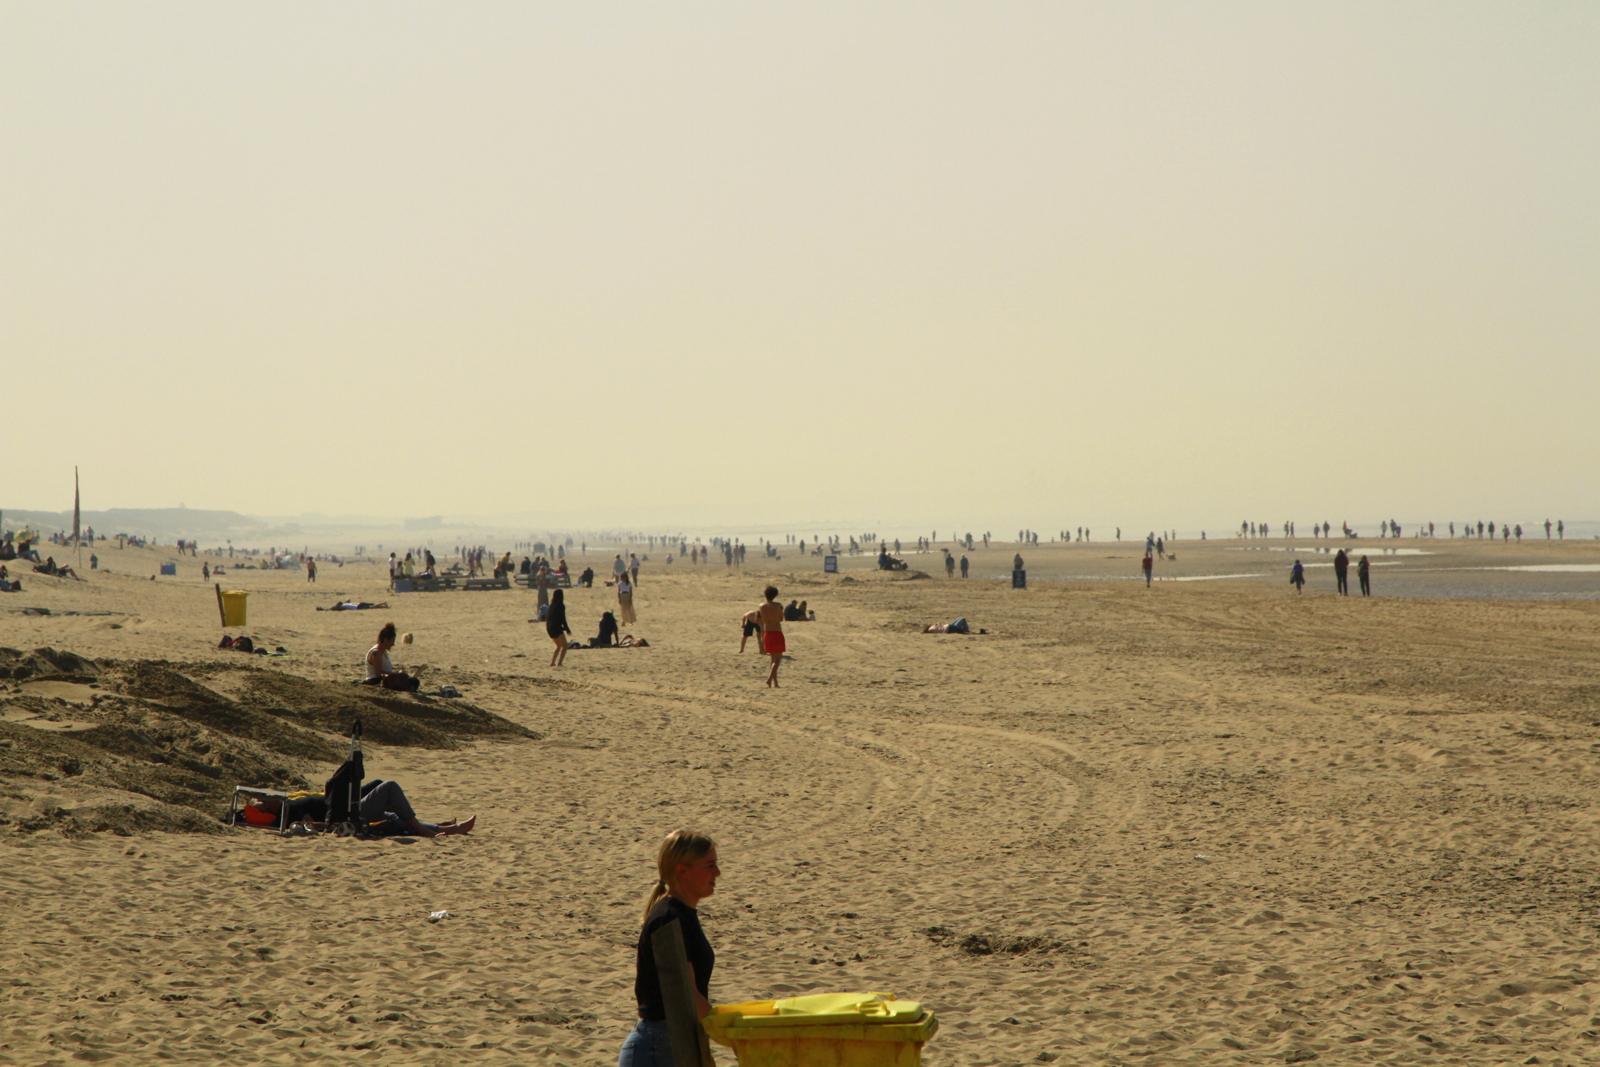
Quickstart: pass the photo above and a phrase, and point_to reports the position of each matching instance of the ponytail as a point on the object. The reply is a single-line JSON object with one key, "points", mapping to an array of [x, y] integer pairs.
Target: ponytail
{"points": [[650, 901], [680, 846]]}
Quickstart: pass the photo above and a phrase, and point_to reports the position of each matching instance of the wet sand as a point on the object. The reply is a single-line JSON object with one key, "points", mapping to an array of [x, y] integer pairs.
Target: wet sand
{"points": [[1211, 821]]}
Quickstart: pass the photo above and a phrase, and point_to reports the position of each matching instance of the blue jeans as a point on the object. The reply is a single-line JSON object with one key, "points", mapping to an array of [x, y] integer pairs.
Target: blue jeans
{"points": [[648, 1046]]}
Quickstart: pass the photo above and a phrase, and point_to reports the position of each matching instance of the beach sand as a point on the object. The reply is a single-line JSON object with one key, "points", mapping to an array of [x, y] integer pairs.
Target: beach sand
{"points": [[1207, 822]]}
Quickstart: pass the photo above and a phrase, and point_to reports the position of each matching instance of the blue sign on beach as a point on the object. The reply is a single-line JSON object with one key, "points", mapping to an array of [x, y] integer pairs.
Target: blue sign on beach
{"points": [[1019, 579], [830, 564]]}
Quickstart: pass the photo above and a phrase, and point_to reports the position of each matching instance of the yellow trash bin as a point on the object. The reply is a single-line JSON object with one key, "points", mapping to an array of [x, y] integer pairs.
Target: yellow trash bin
{"points": [[824, 1030], [233, 607]]}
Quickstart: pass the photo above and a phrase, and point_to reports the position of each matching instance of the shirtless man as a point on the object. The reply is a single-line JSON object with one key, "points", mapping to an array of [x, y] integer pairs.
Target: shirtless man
{"points": [[770, 614]]}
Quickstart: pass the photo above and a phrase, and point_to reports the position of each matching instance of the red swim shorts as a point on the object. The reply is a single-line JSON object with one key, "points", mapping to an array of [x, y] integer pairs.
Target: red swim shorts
{"points": [[772, 641]]}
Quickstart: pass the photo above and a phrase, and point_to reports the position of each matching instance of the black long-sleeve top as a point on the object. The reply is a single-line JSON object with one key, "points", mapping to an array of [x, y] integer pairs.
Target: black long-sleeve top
{"points": [[646, 983]]}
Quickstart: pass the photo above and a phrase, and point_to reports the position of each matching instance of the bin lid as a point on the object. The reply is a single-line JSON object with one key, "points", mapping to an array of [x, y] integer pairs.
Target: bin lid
{"points": [[733, 1030]]}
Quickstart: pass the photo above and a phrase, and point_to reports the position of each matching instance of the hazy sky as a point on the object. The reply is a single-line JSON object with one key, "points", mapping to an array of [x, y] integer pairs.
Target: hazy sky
{"points": [[879, 264]]}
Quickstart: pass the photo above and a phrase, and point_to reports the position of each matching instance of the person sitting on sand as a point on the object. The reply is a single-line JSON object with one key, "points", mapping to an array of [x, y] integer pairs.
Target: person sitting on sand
{"points": [[791, 611], [380, 671], [805, 614], [586, 579], [607, 637]]}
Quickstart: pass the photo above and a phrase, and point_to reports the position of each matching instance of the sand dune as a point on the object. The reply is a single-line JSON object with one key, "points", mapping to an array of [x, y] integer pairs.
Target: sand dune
{"points": [[1206, 822]]}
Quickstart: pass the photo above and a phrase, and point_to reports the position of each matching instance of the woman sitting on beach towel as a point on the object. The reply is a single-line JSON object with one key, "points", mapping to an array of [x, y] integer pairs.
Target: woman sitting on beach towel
{"points": [[607, 637], [380, 671]]}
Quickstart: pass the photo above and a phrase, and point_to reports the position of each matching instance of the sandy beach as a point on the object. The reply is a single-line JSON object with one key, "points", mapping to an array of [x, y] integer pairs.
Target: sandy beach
{"points": [[1212, 821]]}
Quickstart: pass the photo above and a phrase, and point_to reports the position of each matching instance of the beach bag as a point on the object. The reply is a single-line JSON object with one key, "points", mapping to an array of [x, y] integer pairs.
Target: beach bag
{"points": [[343, 790]]}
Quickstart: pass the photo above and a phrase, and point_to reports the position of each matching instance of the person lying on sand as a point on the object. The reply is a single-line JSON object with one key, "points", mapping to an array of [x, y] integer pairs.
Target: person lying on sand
{"points": [[379, 801], [350, 606], [959, 626]]}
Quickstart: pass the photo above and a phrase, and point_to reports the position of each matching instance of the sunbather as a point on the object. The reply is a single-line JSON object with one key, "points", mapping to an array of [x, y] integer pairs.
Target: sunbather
{"points": [[959, 626], [380, 671], [379, 801]]}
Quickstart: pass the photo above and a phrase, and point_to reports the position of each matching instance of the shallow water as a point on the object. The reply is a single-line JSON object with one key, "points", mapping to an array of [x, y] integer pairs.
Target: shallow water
{"points": [[1394, 578], [1551, 568]]}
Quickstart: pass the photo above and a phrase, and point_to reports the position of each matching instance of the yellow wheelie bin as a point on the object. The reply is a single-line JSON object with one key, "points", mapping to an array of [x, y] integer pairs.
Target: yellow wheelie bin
{"points": [[233, 607], [824, 1030]]}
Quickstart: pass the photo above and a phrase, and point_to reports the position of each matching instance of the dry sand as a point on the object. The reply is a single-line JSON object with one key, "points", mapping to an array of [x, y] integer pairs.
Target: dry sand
{"points": [[1209, 822]]}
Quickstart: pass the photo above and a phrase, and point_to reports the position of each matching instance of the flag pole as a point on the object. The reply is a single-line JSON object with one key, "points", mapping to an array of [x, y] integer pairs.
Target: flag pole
{"points": [[77, 534]]}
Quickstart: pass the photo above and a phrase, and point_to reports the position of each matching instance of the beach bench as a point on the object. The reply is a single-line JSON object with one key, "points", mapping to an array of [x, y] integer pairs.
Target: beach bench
{"points": [[557, 581], [501, 582]]}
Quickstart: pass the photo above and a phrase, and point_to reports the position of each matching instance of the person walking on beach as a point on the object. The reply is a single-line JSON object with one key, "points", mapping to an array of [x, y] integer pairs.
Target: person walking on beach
{"points": [[1341, 572], [1363, 574], [686, 873], [633, 567], [618, 568], [1149, 566], [625, 613], [963, 566], [311, 571], [770, 613], [555, 625], [1297, 577]]}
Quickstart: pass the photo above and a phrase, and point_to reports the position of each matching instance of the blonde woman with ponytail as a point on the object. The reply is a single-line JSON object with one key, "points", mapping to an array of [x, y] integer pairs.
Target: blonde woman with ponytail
{"points": [[686, 873]]}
